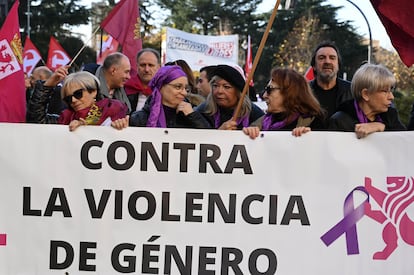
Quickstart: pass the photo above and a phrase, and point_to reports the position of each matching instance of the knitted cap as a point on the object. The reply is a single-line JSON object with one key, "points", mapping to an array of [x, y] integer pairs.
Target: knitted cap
{"points": [[231, 75]]}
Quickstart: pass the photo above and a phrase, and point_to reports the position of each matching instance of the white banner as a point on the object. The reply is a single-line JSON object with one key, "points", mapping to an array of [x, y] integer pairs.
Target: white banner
{"points": [[200, 50], [176, 201]]}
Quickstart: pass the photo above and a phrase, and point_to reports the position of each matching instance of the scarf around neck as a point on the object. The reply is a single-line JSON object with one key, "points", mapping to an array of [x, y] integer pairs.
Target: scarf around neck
{"points": [[269, 125], [134, 86], [362, 118]]}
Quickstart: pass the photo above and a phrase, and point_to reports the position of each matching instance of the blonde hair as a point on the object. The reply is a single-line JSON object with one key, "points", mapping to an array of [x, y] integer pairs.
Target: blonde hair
{"points": [[211, 105]]}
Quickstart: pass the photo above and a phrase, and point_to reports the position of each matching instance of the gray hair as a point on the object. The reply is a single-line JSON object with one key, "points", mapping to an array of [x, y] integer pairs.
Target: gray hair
{"points": [[149, 50], [83, 79], [373, 78], [113, 59]]}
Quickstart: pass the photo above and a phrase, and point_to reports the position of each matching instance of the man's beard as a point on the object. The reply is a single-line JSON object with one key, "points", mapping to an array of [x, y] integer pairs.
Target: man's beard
{"points": [[326, 78]]}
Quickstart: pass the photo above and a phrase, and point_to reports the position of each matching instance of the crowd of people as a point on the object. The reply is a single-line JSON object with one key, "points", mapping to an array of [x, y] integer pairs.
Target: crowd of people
{"points": [[169, 96]]}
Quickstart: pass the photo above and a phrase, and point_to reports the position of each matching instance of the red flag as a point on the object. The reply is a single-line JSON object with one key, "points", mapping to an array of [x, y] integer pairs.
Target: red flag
{"points": [[109, 45], [57, 57], [123, 23], [396, 16], [249, 60], [31, 56], [309, 74], [12, 89]]}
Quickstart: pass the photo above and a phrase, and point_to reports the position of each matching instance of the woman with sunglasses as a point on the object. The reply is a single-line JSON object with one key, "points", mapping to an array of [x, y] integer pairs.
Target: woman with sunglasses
{"points": [[371, 109], [167, 106], [85, 104], [291, 106]]}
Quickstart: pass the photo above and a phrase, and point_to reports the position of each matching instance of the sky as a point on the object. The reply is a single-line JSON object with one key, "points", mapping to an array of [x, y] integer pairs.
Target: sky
{"points": [[347, 12], [351, 13]]}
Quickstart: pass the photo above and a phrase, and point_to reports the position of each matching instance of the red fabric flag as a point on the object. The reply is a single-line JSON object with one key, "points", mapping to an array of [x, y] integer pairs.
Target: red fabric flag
{"points": [[109, 45], [396, 16], [309, 74], [12, 88], [57, 56], [249, 60], [123, 23], [31, 56]]}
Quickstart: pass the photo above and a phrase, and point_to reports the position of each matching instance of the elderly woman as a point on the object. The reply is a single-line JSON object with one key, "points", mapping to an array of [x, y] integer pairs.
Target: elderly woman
{"points": [[85, 103], [167, 106], [226, 86], [291, 106], [371, 109]]}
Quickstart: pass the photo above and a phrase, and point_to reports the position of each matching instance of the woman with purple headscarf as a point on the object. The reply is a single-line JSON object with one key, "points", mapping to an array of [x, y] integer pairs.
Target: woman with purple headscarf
{"points": [[167, 106]]}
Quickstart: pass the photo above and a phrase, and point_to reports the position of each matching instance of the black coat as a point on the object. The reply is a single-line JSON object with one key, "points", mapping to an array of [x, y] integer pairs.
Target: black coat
{"points": [[342, 90], [173, 120], [346, 118], [227, 114], [45, 104], [410, 125]]}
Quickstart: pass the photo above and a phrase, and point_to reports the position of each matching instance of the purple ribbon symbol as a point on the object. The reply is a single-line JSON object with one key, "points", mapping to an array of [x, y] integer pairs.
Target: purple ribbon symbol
{"points": [[348, 224]]}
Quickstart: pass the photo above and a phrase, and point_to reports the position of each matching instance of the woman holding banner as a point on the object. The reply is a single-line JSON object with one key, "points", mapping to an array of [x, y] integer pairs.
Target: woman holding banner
{"points": [[85, 104], [227, 84], [291, 106], [167, 106], [371, 109]]}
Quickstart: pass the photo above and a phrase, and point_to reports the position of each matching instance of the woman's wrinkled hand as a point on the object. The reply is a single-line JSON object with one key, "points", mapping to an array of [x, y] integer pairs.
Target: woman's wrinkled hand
{"points": [[185, 107], [74, 124], [229, 125], [364, 129], [60, 74], [121, 123], [252, 132], [298, 131]]}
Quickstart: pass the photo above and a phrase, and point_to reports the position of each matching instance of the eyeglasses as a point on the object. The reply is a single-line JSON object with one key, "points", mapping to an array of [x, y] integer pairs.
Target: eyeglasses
{"points": [[180, 87], [78, 94], [388, 92], [268, 89]]}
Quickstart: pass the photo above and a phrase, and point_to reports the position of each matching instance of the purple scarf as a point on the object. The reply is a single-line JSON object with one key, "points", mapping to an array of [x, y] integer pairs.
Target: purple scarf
{"points": [[163, 76], [267, 124], [362, 118], [241, 120]]}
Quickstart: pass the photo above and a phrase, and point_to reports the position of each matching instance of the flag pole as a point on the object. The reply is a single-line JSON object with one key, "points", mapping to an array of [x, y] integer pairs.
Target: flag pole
{"points": [[256, 61], [84, 46]]}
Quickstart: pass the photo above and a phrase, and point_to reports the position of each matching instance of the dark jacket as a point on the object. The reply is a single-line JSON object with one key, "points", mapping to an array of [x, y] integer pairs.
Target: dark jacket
{"points": [[38, 109], [227, 114], [342, 90], [410, 125], [45, 104], [346, 118], [173, 120]]}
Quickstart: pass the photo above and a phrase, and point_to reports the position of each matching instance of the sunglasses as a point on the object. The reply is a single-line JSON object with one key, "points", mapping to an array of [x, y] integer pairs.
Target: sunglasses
{"points": [[78, 94], [268, 89]]}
